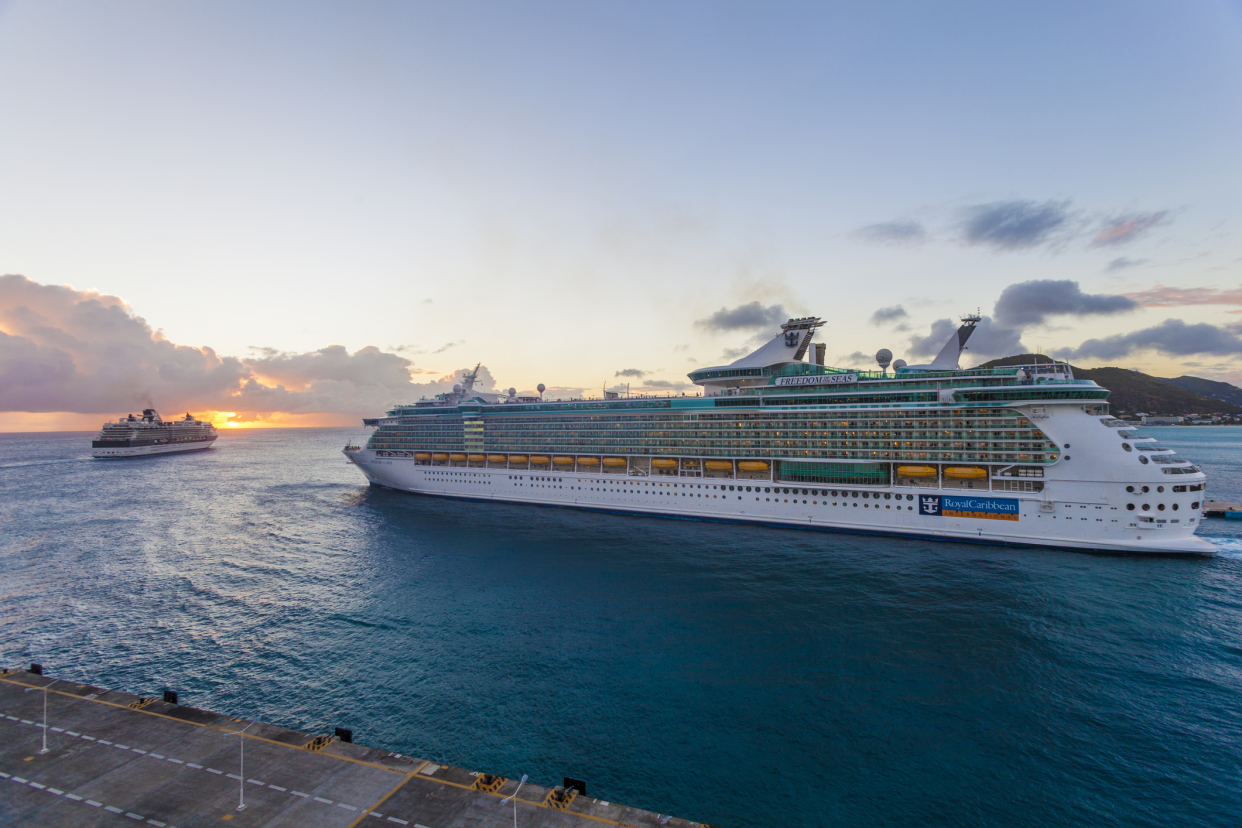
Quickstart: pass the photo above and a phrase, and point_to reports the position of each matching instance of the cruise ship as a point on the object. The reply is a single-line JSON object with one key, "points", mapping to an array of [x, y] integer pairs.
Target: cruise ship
{"points": [[1024, 455], [140, 436]]}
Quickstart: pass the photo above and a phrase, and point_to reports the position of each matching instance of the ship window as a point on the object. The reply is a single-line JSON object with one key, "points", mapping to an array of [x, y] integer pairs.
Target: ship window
{"points": [[1130, 507], [1143, 460], [1146, 507], [1175, 507], [1129, 488], [853, 494], [768, 489], [1160, 507], [1195, 505], [1160, 488], [1145, 490], [1127, 447]]}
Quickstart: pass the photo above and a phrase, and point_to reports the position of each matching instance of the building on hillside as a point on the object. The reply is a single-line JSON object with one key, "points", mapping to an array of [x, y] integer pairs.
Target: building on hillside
{"points": [[1148, 419]]}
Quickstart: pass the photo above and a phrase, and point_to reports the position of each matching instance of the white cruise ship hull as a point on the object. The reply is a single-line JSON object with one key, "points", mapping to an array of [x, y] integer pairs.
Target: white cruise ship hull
{"points": [[1089, 518], [143, 451]]}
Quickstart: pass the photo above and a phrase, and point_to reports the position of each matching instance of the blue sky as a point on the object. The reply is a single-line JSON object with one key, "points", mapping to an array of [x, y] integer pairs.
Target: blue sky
{"points": [[568, 190]]}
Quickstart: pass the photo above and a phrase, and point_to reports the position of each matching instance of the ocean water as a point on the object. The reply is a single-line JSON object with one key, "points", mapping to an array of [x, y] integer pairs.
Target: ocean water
{"points": [[742, 676]]}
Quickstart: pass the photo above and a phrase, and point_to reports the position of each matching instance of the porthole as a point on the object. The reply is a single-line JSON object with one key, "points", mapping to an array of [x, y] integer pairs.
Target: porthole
{"points": [[909, 497], [888, 496], [1130, 507], [1127, 447], [1160, 488], [1130, 489], [1146, 507], [853, 494], [1195, 505], [768, 490], [865, 495], [1160, 507], [1143, 460], [1146, 490], [1067, 445], [1175, 507], [834, 492]]}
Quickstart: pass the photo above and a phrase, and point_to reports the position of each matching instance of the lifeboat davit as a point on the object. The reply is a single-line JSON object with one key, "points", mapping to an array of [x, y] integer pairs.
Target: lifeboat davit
{"points": [[588, 461], [719, 465], [753, 466], [664, 463], [916, 471], [614, 461], [966, 473]]}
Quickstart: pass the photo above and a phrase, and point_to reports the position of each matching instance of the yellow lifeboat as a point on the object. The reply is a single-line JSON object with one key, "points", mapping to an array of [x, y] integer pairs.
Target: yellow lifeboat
{"points": [[588, 461], [439, 457], [753, 466], [916, 471], [495, 458], [517, 458], [719, 465], [690, 464], [664, 463], [539, 460], [563, 461], [477, 458], [421, 455], [457, 458], [966, 473], [614, 461]]}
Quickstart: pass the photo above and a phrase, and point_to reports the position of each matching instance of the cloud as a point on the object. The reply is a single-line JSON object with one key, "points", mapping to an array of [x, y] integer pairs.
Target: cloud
{"points": [[1013, 225], [366, 366], [930, 345], [991, 339], [448, 345], [748, 317], [893, 233], [1031, 303], [1171, 297], [1122, 262], [631, 372], [69, 350], [1127, 228], [855, 359], [735, 353], [1173, 337], [886, 316]]}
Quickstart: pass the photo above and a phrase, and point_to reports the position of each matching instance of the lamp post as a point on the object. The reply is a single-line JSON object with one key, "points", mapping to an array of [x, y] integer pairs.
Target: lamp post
{"points": [[241, 766], [44, 749], [511, 796]]}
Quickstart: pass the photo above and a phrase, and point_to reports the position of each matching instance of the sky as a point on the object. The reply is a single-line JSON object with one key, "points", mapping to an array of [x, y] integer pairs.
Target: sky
{"points": [[301, 214]]}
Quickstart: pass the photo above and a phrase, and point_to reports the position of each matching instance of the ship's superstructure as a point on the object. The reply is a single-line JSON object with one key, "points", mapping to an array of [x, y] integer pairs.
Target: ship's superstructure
{"points": [[138, 436], [1025, 454]]}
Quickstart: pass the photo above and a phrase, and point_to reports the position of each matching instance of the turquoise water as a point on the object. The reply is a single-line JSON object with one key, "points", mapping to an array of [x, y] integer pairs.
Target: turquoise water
{"points": [[742, 676]]}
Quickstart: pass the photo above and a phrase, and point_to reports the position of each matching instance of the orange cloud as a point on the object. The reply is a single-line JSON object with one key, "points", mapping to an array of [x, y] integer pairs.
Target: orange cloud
{"points": [[1170, 297]]}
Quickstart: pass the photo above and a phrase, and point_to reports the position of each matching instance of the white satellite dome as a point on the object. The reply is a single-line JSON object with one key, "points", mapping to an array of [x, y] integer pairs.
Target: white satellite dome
{"points": [[884, 356], [899, 364]]}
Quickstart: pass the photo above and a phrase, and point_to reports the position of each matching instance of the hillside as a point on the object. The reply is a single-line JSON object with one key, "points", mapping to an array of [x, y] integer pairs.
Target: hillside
{"points": [[1134, 391], [1222, 391]]}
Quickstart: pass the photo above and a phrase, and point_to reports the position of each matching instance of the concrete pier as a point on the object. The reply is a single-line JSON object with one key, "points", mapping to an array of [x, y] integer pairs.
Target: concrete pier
{"points": [[114, 759]]}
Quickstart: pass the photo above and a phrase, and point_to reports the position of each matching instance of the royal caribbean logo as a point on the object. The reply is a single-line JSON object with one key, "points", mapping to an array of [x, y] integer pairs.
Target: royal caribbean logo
{"points": [[979, 508]]}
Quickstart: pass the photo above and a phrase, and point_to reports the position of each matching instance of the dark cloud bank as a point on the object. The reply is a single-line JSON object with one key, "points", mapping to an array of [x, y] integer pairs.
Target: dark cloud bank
{"points": [[68, 350], [1032, 304]]}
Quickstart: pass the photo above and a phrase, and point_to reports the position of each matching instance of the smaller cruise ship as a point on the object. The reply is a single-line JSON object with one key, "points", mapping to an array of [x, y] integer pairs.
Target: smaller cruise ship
{"points": [[139, 436]]}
